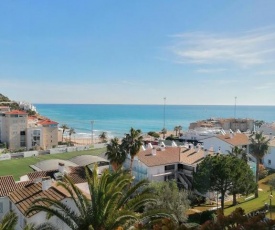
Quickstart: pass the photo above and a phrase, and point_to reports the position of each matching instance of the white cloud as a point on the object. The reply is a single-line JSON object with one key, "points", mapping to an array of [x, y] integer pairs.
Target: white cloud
{"points": [[266, 72], [245, 49], [218, 70]]}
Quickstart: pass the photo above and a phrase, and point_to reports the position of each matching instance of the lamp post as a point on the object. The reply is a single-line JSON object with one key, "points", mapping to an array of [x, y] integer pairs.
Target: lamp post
{"points": [[270, 202], [164, 103], [235, 107], [92, 127]]}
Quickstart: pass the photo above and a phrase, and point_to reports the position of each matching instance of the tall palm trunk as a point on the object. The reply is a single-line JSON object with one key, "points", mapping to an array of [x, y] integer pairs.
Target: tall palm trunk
{"points": [[234, 199], [131, 164], [257, 177]]}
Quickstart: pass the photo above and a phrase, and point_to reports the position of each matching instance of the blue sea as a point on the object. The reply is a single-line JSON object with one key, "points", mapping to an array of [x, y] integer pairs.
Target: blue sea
{"points": [[117, 120]]}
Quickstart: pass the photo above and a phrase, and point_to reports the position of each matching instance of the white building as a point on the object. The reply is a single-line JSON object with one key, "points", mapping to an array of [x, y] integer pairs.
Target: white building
{"points": [[225, 142], [21, 199], [269, 158], [7, 185], [161, 163]]}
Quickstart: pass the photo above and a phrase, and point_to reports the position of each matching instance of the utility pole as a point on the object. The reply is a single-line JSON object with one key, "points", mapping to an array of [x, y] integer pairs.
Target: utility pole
{"points": [[92, 126], [164, 104], [235, 107]]}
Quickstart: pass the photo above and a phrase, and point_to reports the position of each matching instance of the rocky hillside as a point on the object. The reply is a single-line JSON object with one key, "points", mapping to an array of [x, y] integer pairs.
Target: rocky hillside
{"points": [[6, 101]]}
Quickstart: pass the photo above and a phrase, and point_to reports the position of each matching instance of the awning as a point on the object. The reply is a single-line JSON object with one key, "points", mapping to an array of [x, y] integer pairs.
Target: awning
{"points": [[163, 174]]}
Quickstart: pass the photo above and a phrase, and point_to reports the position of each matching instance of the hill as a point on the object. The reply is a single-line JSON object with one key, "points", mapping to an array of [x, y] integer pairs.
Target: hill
{"points": [[4, 100]]}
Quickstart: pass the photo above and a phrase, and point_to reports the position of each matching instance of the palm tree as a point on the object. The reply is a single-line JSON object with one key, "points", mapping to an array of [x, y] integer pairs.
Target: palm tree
{"points": [[71, 131], [111, 204], [132, 143], [176, 129], [63, 127], [180, 128], [238, 152], [9, 221], [258, 148], [103, 136], [163, 132], [115, 153]]}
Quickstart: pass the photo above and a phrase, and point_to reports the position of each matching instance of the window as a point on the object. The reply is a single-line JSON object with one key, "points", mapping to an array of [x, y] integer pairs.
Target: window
{"points": [[1, 207], [269, 162], [169, 167]]}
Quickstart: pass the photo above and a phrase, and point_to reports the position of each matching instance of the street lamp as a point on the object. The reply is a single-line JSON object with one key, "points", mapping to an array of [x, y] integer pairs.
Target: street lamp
{"points": [[92, 126], [270, 202], [164, 103]]}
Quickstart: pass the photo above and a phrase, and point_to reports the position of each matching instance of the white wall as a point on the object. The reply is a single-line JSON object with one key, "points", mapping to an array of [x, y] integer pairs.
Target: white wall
{"points": [[216, 143], [156, 170], [269, 158], [5, 204], [40, 217]]}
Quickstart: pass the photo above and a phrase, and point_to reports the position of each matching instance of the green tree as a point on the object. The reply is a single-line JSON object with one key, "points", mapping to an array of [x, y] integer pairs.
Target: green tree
{"points": [[242, 178], [153, 134], [223, 174], [132, 143], [115, 153], [63, 127], [111, 204], [258, 148], [163, 132], [9, 221], [238, 152], [103, 137], [176, 129], [170, 198], [71, 131], [180, 128]]}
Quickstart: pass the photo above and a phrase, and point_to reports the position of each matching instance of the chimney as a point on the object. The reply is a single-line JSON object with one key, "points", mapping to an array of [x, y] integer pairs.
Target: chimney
{"points": [[46, 183], [154, 152], [149, 146], [270, 136], [61, 167], [142, 147]]}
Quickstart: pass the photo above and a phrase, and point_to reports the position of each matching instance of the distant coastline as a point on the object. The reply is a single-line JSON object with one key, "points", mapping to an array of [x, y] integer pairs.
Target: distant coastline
{"points": [[116, 120]]}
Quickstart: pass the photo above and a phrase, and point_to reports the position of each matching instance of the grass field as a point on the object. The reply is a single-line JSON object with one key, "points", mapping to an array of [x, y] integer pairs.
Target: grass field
{"points": [[251, 204], [20, 167]]}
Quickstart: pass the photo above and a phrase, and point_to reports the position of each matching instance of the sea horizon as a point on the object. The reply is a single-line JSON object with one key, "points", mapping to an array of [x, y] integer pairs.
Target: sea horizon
{"points": [[117, 119]]}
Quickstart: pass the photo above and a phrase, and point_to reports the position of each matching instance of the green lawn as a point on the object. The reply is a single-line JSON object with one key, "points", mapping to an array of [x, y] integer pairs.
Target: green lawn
{"points": [[257, 203], [20, 167], [251, 204]]}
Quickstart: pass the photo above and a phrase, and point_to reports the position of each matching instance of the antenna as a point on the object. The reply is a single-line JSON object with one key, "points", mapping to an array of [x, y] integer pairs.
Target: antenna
{"points": [[235, 107]]}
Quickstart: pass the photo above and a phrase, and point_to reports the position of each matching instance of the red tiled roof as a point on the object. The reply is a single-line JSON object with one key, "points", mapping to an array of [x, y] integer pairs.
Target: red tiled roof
{"points": [[236, 139], [47, 122], [24, 197], [16, 112], [7, 185], [169, 155], [77, 174], [40, 174]]}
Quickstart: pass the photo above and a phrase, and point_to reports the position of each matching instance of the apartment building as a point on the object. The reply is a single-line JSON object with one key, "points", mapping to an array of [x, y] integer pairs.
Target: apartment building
{"points": [[49, 133], [14, 125], [18, 130]]}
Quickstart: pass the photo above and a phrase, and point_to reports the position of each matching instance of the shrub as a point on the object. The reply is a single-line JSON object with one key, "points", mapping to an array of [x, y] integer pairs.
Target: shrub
{"points": [[263, 172]]}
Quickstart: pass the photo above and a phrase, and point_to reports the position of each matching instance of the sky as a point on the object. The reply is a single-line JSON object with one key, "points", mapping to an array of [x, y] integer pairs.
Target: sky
{"points": [[191, 52]]}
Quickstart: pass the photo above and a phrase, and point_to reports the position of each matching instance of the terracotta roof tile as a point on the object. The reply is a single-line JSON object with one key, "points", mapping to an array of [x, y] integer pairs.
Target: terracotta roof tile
{"points": [[77, 174], [40, 174], [236, 140], [16, 112], [23, 198], [7, 185], [169, 155], [47, 122]]}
